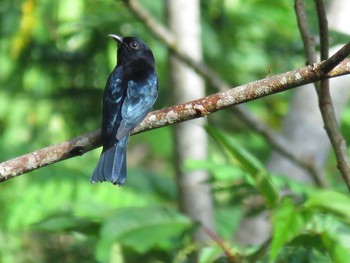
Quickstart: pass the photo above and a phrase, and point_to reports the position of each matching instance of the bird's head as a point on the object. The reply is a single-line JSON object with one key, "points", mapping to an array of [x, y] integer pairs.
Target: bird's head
{"points": [[132, 49]]}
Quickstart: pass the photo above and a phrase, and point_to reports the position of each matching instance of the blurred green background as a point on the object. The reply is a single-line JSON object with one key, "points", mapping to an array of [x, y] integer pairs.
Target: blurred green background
{"points": [[55, 57]]}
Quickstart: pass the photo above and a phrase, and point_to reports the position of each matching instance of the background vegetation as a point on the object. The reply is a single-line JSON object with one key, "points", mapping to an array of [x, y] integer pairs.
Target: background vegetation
{"points": [[55, 58]]}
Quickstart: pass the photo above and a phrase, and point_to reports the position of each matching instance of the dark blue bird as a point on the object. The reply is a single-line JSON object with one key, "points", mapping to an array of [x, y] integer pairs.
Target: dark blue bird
{"points": [[129, 95]]}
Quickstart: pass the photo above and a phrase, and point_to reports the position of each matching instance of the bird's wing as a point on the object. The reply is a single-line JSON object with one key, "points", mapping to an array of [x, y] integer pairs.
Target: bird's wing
{"points": [[112, 102], [139, 100]]}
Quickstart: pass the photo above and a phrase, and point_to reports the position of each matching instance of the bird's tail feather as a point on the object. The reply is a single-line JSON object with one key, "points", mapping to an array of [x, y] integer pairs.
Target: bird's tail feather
{"points": [[112, 164]]}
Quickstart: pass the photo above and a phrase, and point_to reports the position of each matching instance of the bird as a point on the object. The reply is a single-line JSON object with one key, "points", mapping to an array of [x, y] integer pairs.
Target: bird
{"points": [[129, 95]]}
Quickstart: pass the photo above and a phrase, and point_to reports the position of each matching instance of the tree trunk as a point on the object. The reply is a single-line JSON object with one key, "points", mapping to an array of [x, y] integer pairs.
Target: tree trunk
{"points": [[190, 137]]}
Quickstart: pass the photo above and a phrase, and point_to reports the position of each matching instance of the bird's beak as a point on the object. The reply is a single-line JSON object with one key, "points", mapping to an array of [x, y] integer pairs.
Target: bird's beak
{"points": [[117, 38]]}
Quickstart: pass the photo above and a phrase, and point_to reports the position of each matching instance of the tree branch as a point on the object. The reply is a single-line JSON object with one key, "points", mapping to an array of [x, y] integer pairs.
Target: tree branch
{"points": [[325, 101], [306, 36], [276, 141], [183, 112], [323, 29], [328, 64], [322, 89], [311, 58]]}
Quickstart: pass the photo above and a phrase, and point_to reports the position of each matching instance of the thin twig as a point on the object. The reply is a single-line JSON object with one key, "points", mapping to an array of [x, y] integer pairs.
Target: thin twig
{"points": [[323, 29], [326, 105], [190, 110], [323, 93], [306, 36], [311, 58], [214, 236]]}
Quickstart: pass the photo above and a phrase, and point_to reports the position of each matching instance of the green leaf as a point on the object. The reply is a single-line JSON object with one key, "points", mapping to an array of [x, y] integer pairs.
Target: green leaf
{"points": [[246, 159], [221, 172], [61, 223], [141, 228], [250, 164], [210, 254], [266, 188], [337, 251], [308, 241], [330, 201], [287, 224]]}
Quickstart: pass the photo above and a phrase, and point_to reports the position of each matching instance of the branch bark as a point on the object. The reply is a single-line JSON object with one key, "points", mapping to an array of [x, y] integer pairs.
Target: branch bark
{"points": [[179, 113], [325, 100], [306, 36]]}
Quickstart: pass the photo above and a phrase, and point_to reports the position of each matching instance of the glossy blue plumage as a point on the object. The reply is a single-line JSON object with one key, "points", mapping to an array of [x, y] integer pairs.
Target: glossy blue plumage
{"points": [[129, 95]]}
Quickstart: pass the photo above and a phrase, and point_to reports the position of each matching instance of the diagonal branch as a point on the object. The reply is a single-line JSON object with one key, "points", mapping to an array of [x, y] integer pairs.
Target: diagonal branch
{"points": [[163, 34], [328, 64], [183, 112], [274, 139]]}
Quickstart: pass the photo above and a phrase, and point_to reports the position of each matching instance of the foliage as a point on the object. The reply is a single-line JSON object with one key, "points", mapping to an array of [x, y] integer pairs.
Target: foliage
{"points": [[310, 226], [55, 58]]}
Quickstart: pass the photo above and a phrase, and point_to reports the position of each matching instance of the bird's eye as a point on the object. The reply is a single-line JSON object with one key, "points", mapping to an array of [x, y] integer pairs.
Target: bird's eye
{"points": [[134, 45]]}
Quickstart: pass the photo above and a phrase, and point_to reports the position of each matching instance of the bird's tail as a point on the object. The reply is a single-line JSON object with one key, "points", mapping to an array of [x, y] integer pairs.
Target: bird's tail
{"points": [[112, 164]]}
